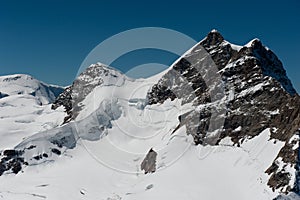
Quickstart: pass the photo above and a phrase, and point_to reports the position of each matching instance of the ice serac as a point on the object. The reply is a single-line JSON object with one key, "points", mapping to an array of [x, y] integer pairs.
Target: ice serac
{"points": [[42, 146], [25, 110], [45, 145], [95, 75], [258, 94]]}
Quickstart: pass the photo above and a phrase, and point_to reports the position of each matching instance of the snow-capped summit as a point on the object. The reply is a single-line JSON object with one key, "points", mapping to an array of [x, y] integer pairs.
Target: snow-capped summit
{"points": [[100, 74], [214, 31], [261, 57], [213, 38], [253, 42], [95, 75]]}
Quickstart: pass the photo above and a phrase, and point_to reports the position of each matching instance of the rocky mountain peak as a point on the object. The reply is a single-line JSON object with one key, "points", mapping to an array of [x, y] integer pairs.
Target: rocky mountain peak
{"points": [[261, 97], [95, 75], [255, 43], [99, 72], [267, 61], [213, 38], [261, 58]]}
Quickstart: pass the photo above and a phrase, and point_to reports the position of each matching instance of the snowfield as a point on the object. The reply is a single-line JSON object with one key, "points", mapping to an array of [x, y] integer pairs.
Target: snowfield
{"points": [[211, 172], [105, 164], [26, 110]]}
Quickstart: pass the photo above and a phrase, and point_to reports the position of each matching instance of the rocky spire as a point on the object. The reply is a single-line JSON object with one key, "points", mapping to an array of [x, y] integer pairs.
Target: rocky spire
{"points": [[213, 38]]}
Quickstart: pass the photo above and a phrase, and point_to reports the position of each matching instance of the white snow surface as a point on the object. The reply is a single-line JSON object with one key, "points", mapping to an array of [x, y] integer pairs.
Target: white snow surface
{"points": [[20, 84], [250, 43], [26, 109], [210, 172], [234, 46]]}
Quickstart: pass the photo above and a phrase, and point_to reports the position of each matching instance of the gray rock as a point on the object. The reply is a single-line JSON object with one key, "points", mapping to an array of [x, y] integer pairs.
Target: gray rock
{"points": [[149, 163]]}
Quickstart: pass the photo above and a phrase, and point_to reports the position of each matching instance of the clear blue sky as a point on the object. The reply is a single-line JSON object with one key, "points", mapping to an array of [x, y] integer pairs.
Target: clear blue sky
{"points": [[50, 39]]}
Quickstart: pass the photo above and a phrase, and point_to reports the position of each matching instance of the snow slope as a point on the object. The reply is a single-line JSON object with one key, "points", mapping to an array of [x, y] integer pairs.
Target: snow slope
{"points": [[211, 172], [25, 109], [105, 163]]}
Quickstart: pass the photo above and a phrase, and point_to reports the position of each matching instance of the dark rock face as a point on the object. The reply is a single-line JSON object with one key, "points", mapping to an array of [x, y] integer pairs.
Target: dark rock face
{"points": [[296, 188], [2, 95], [214, 38], [220, 51], [279, 180], [55, 90], [12, 78], [29, 153], [65, 100], [259, 96], [269, 63], [291, 196], [56, 151], [149, 163], [11, 160], [172, 86]]}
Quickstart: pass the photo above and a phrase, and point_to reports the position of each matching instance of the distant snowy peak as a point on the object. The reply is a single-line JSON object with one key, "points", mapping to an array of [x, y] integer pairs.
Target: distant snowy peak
{"points": [[21, 84]]}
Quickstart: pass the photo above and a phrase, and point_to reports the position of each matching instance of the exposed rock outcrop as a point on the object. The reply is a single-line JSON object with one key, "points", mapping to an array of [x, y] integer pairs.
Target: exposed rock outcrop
{"points": [[11, 161], [149, 162], [2, 95], [257, 91]]}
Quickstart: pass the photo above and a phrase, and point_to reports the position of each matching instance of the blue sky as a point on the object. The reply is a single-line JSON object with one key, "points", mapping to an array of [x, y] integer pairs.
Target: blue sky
{"points": [[50, 39]]}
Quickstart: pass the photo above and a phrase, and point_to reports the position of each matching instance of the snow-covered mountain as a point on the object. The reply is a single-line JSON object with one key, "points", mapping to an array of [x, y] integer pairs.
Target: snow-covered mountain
{"points": [[95, 75], [220, 123], [260, 97], [25, 108], [22, 84]]}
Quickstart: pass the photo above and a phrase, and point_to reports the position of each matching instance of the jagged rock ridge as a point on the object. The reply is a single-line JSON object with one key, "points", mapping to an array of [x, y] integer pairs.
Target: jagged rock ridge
{"points": [[259, 96]]}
